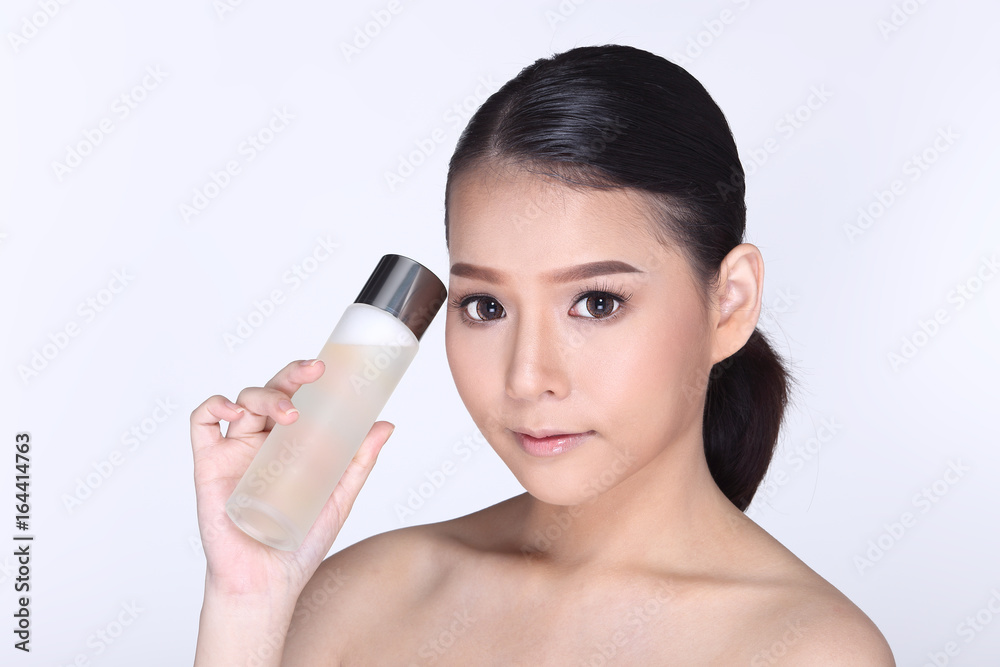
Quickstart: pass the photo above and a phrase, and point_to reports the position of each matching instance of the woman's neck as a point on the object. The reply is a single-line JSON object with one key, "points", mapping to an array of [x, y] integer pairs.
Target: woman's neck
{"points": [[670, 514]]}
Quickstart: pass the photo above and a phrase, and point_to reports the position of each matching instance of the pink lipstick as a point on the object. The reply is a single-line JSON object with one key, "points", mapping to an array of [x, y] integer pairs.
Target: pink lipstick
{"points": [[550, 443]]}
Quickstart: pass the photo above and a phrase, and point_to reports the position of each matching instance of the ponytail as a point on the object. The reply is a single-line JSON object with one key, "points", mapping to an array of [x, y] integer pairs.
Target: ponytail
{"points": [[744, 408]]}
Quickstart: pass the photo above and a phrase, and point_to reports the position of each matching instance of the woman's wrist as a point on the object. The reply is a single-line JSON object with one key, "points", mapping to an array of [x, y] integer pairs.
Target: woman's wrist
{"points": [[263, 586], [243, 628], [265, 610]]}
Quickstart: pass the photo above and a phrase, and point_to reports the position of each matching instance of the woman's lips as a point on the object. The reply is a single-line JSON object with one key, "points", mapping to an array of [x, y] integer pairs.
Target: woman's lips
{"points": [[551, 445]]}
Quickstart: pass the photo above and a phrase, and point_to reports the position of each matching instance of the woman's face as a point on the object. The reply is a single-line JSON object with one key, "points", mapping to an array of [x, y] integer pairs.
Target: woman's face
{"points": [[540, 343]]}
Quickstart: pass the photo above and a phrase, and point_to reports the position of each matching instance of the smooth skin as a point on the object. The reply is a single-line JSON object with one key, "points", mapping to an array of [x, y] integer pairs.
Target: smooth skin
{"points": [[622, 549]]}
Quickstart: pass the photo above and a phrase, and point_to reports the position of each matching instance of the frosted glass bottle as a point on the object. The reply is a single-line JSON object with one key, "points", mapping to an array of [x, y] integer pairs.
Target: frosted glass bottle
{"points": [[298, 466]]}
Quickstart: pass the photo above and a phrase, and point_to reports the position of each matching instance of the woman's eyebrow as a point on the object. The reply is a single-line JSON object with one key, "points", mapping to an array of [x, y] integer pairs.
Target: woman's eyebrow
{"points": [[566, 275]]}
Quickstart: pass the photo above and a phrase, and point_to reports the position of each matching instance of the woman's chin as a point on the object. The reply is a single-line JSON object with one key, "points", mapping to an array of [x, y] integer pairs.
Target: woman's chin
{"points": [[558, 492]]}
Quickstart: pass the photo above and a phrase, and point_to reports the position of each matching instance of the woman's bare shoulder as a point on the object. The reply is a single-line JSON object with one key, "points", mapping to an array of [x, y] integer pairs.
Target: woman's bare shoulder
{"points": [[803, 619], [821, 626], [397, 558], [377, 578]]}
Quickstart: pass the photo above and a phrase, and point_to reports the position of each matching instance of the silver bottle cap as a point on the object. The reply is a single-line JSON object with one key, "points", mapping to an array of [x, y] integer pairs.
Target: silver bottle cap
{"points": [[407, 289]]}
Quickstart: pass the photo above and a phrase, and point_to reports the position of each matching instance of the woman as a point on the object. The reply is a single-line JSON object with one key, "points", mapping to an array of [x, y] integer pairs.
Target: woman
{"points": [[601, 331]]}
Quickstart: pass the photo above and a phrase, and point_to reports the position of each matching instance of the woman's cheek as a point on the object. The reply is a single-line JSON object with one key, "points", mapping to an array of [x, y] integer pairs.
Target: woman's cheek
{"points": [[653, 366], [476, 373]]}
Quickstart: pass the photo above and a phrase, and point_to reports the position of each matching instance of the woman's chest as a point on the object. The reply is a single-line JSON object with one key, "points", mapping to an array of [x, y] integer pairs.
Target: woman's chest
{"points": [[487, 624]]}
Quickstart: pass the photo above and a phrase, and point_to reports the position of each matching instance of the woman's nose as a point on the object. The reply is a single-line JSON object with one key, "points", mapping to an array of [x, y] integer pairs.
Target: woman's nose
{"points": [[537, 359]]}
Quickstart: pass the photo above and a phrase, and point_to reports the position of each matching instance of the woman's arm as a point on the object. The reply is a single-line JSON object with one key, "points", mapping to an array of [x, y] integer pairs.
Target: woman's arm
{"points": [[242, 630], [251, 589]]}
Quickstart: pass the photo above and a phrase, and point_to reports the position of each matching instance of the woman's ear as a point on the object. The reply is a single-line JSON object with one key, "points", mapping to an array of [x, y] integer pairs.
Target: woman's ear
{"points": [[737, 301]]}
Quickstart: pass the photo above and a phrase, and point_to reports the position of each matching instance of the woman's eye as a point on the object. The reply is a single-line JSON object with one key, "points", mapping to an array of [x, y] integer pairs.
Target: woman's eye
{"points": [[599, 304], [595, 306], [483, 307]]}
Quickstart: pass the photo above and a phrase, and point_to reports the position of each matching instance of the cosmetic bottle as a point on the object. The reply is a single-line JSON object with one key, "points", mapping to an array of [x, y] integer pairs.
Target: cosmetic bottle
{"points": [[298, 466]]}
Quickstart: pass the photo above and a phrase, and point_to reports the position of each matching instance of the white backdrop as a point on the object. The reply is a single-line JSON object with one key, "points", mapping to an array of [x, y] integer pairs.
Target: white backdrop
{"points": [[178, 176]]}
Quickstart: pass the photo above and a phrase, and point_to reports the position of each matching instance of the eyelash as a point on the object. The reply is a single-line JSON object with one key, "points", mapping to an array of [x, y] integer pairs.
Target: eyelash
{"points": [[461, 303]]}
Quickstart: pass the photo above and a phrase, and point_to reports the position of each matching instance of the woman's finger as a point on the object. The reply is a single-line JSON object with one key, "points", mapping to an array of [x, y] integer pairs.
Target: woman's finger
{"points": [[296, 374], [205, 429], [324, 531], [265, 403], [264, 407], [361, 466]]}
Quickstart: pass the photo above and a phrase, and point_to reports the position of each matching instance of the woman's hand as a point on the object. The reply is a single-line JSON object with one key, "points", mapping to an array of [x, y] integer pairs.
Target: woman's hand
{"points": [[238, 564]]}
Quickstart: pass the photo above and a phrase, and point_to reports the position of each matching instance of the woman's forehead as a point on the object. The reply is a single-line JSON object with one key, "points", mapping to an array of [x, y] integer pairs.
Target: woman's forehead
{"points": [[521, 206]]}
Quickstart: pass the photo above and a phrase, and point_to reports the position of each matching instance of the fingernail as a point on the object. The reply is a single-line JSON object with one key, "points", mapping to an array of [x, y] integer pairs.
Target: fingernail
{"points": [[308, 362], [286, 406], [233, 406]]}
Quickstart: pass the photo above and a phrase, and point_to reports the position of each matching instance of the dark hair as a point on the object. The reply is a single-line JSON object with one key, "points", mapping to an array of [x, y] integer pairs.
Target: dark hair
{"points": [[619, 117]]}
